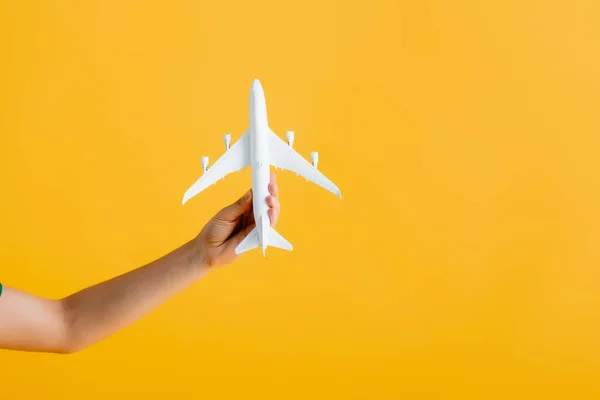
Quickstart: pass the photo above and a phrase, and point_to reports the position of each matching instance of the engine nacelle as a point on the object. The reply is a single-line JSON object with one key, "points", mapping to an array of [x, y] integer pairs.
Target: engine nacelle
{"points": [[314, 157], [204, 162], [227, 140], [290, 137]]}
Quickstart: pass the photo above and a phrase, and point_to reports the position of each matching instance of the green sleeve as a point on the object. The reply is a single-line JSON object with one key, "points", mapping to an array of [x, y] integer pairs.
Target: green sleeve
{"points": [[0, 289]]}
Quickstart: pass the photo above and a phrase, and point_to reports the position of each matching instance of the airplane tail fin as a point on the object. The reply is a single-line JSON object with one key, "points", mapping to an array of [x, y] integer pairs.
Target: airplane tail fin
{"points": [[272, 238]]}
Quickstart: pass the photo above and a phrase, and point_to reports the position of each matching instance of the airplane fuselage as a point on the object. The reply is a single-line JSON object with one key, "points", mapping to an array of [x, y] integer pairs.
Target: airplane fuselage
{"points": [[259, 160]]}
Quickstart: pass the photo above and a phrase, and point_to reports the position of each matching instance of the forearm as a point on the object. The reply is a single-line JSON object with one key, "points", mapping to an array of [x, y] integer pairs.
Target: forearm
{"points": [[101, 310]]}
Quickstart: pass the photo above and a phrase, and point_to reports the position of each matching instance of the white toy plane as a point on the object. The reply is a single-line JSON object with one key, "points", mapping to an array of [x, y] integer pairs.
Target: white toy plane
{"points": [[259, 147]]}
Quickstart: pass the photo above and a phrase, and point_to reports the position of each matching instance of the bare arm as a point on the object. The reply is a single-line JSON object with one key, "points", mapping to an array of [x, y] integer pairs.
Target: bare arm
{"points": [[32, 323]]}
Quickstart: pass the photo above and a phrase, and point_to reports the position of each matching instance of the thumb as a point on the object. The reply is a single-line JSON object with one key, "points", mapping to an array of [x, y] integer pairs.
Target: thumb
{"points": [[233, 211]]}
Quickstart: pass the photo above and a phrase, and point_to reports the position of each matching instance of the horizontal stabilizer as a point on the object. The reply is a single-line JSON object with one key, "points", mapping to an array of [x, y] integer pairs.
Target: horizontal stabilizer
{"points": [[249, 243], [272, 238], [276, 240]]}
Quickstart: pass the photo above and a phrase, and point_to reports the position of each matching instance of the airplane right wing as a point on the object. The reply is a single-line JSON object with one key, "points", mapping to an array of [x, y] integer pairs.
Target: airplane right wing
{"points": [[283, 156], [234, 159]]}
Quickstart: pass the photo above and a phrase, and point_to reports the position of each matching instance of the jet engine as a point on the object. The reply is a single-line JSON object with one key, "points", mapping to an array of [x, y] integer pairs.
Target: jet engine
{"points": [[314, 157], [227, 140], [204, 163], [290, 137]]}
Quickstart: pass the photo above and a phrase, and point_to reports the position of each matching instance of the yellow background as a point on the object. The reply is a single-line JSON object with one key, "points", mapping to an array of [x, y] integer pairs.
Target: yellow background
{"points": [[462, 261]]}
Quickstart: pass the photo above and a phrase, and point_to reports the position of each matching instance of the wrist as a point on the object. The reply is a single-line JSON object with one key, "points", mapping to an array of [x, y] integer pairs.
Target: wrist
{"points": [[195, 255]]}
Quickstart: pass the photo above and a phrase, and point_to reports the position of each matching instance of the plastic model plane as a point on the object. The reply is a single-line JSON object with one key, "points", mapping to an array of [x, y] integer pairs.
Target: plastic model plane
{"points": [[259, 148]]}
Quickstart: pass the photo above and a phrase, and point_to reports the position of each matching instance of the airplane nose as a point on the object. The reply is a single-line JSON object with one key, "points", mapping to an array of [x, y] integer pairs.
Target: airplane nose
{"points": [[256, 86]]}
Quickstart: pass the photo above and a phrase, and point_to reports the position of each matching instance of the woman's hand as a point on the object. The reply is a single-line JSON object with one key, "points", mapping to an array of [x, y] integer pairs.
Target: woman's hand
{"points": [[222, 234]]}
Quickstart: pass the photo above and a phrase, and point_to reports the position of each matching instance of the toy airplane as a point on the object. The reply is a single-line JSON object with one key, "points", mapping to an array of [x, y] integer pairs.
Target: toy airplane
{"points": [[259, 147]]}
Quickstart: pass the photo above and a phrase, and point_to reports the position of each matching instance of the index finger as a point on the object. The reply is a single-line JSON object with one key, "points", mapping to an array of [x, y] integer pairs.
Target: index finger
{"points": [[273, 189]]}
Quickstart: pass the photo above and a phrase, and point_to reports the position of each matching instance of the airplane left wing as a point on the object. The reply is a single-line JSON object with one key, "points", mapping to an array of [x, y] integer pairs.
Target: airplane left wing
{"points": [[283, 156], [234, 159]]}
